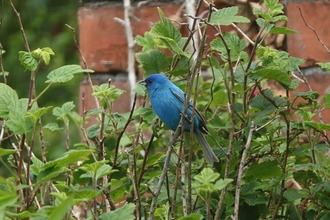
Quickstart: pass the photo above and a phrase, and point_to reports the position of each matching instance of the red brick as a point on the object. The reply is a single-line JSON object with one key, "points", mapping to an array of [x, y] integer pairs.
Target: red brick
{"points": [[304, 44], [102, 40]]}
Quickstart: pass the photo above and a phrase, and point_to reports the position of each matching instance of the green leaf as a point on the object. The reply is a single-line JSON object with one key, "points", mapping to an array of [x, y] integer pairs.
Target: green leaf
{"points": [[4, 152], [126, 212], [274, 8], [106, 93], [234, 44], [28, 61], [207, 176], [324, 65], [7, 199], [68, 158], [59, 212], [36, 113], [53, 126], [222, 183], [64, 110], [219, 99], [292, 194], [97, 170], [326, 99], [264, 170], [226, 16], [310, 95], [65, 73], [8, 98], [282, 30], [36, 166], [192, 216], [43, 54], [46, 174], [154, 61], [18, 121], [317, 125], [165, 29], [147, 42], [273, 73], [84, 195]]}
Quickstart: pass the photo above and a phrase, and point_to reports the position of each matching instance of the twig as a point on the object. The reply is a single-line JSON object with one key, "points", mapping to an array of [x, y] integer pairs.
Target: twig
{"points": [[21, 26], [310, 27], [130, 44], [123, 131], [240, 171]]}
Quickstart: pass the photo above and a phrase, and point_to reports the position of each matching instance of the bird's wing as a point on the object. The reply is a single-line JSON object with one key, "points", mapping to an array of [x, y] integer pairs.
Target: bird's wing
{"points": [[180, 95]]}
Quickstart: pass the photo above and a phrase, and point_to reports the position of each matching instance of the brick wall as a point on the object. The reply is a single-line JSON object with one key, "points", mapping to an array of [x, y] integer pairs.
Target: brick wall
{"points": [[104, 45]]}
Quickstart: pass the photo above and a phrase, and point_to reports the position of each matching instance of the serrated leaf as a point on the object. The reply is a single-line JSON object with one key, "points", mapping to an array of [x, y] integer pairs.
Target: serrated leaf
{"points": [[292, 194], [18, 121], [7, 199], [59, 212], [273, 73], [68, 158], [43, 54], [324, 65], [326, 99], [8, 98], [154, 61], [222, 183], [234, 44], [226, 16], [264, 170], [219, 99], [309, 95], [317, 125], [96, 170], [36, 166], [36, 113], [147, 42], [192, 216], [4, 152], [65, 73], [126, 212], [52, 126], [106, 93], [63, 111], [282, 30], [28, 61], [50, 173], [84, 195], [207, 176]]}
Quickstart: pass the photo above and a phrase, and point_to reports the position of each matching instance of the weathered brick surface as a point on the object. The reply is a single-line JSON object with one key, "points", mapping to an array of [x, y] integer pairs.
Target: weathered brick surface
{"points": [[304, 44], [103, 41]]}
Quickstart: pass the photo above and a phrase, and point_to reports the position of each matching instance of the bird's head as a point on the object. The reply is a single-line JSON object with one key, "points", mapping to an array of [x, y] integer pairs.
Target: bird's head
{"points": [[154, 82]]}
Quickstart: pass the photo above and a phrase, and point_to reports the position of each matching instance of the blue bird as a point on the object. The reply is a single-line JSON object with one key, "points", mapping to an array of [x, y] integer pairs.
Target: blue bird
{"points": [[167, 100]]}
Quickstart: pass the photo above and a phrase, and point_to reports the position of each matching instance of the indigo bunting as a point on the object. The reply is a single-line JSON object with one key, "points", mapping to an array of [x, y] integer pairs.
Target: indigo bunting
{"points": [[167, 100]]}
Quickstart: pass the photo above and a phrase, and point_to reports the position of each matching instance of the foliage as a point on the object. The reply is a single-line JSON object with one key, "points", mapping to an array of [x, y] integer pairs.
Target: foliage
{"points": [[272, 163]]}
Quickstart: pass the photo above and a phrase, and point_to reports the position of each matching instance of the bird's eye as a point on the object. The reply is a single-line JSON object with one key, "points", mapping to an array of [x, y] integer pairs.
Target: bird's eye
{"points": [[149, 81]]}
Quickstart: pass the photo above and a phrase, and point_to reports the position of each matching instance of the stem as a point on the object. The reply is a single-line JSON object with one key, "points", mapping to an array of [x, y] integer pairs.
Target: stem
{"points": [[240, 171]]}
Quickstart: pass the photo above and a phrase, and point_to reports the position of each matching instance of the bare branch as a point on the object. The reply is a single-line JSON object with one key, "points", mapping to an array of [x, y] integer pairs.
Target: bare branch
{"points": [[310, 27]]}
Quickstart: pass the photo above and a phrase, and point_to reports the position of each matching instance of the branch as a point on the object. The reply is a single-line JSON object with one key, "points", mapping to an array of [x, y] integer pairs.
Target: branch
{"points": [[130, 44], [310, 27], [240, 171]]}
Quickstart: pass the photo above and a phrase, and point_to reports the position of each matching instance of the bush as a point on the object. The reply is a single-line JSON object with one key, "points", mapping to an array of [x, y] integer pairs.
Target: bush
{"points": [[272, 163]]}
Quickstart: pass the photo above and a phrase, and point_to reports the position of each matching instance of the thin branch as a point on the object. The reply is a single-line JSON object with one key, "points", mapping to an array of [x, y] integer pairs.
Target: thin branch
{"points": [[130, 44], [310, 27], [240, 171]]}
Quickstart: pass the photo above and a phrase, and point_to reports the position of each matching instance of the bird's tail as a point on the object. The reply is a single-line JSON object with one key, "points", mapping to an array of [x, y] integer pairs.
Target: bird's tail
{"points": [[206, 148]]}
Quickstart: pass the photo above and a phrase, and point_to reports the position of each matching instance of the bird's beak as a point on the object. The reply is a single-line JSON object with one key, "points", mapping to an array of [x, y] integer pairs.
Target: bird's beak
{"points": [[142, 82]]}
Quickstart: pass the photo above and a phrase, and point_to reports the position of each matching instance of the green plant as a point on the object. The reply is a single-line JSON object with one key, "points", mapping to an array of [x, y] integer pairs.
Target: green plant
{"points": [[263, 141]]}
